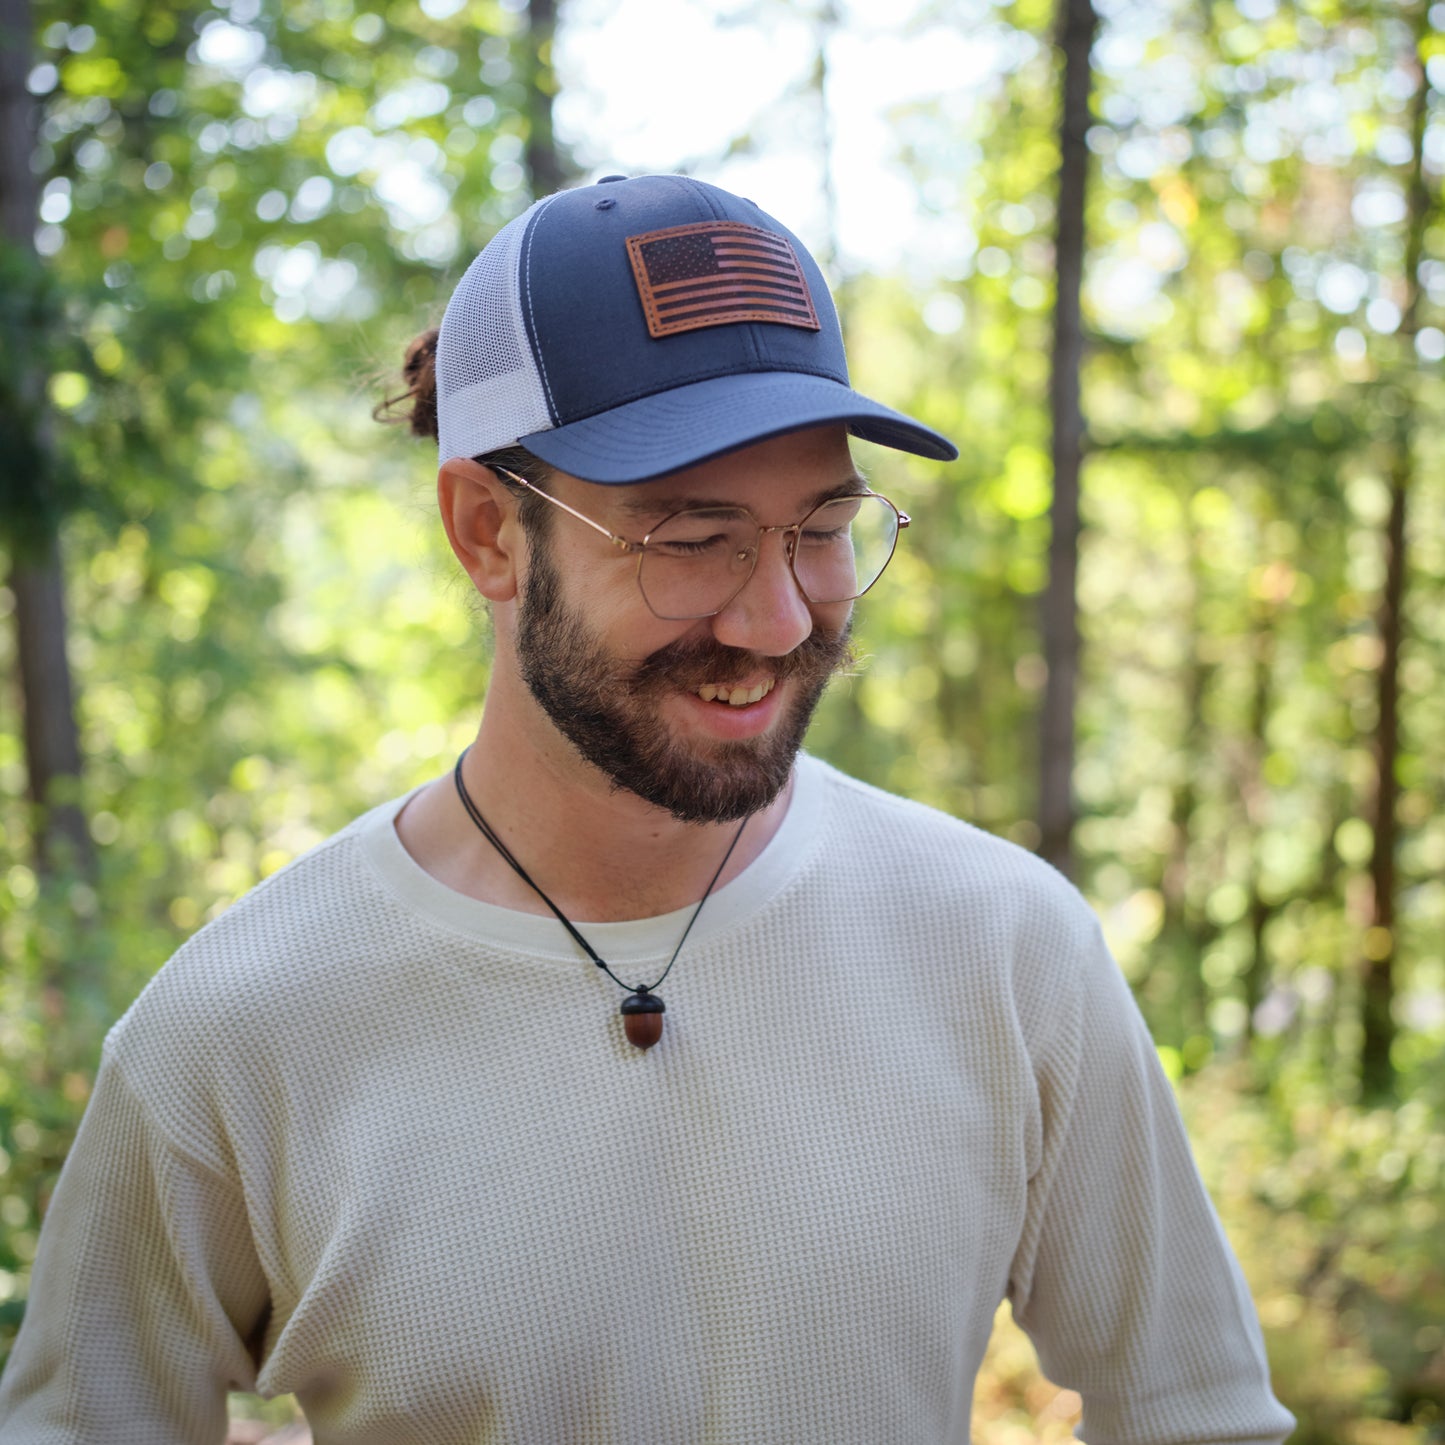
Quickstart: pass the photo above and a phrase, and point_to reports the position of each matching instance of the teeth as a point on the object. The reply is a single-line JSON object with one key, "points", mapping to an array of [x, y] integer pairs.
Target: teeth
{"points": [[735, 696]]}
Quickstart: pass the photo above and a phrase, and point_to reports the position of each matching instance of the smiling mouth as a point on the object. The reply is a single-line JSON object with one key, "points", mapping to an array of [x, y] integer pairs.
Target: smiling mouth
{"points": [[736, 696]]}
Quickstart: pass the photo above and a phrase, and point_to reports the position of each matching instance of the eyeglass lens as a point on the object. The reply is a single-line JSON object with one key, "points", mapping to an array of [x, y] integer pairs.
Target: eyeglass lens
{"points": [[697, 561]]}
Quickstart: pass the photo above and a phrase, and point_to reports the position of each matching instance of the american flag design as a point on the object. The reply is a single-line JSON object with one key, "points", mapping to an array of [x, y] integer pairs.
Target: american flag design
{"points": [[716, 272]]}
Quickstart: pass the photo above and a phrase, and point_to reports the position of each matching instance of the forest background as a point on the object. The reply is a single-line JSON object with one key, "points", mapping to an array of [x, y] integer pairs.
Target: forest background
{"points": [[1173, 271]]}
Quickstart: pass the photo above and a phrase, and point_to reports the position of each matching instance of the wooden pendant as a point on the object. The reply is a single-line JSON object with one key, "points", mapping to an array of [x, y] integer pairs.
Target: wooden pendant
{"points": [[642, 1018]]}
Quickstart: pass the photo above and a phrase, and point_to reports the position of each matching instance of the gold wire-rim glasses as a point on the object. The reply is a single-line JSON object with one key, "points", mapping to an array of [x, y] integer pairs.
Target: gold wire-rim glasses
{"points": [[790, 532]]}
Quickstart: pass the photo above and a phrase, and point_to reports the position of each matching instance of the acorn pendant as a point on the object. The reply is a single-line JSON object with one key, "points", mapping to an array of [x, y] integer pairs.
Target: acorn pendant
{"points": [[642, 1018]]}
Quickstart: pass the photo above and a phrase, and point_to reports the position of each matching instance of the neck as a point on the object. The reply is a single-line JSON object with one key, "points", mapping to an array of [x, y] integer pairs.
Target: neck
{"points": [[600, 855]]}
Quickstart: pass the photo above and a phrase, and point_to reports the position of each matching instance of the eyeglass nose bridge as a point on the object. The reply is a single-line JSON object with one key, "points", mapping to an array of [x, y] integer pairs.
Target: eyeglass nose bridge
{"points": [[790, 532], [749, 556]]}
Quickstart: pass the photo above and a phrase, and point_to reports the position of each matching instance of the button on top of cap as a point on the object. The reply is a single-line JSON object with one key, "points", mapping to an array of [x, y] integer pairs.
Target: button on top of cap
{"points": [[604, 180]]}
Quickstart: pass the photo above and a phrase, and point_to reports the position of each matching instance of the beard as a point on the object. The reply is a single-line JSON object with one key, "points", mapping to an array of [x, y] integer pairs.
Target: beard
{"points": [[609, 709]]}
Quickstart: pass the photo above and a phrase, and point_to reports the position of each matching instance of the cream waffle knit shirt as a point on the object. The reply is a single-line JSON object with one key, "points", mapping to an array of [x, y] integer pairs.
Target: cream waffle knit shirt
{"points": [[384, 1146]]}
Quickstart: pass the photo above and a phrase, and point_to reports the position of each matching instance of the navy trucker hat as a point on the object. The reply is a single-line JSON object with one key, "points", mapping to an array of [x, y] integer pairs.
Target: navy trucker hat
{"points": [[627, 329]]}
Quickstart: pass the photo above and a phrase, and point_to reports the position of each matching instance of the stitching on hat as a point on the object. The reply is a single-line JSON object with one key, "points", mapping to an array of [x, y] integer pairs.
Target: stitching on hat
{"points": [[525, 277], [622, 399], [699, 191], [704, 194]]}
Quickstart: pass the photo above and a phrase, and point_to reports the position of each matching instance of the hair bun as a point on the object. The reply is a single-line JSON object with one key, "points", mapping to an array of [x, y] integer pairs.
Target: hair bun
{"points": [[417, 405]]}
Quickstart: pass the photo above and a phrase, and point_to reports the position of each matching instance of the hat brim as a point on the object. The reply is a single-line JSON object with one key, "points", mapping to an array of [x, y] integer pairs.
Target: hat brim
{"points": [[669, 430]]}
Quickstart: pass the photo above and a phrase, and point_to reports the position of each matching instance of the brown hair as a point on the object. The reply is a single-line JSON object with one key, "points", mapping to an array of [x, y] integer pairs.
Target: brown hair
{"points": [[416, 407]]}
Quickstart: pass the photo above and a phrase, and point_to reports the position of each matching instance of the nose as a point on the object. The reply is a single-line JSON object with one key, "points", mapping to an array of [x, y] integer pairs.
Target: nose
{"points": [[770, 616]]}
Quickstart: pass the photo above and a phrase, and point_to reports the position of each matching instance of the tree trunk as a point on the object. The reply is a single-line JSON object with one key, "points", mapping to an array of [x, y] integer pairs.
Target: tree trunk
{"points": [[1060, 627], [1377, 1073], [1182, 931], [546, 168], [18, 190], [52, 746], [825, 27], [1255, 793]]}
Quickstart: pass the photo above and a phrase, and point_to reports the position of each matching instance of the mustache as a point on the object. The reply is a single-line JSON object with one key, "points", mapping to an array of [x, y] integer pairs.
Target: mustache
{"points": [[690, 664]]}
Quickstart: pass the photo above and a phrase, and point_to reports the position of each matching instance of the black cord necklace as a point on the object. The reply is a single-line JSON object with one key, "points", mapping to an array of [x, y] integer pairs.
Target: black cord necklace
{"points": [[641, 1010]]}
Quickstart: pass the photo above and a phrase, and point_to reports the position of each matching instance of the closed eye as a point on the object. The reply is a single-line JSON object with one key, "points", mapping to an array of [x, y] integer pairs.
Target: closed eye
{"points": [[826, 534], [688, 546]]}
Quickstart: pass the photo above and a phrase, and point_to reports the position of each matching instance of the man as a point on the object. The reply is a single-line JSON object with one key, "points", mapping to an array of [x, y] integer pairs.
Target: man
{"points": [[381, 1136]]}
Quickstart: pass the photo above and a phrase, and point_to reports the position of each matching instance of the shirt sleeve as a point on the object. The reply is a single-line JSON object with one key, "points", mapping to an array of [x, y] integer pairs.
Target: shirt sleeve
{"points": [[145, 1290], [1123, 1278]]}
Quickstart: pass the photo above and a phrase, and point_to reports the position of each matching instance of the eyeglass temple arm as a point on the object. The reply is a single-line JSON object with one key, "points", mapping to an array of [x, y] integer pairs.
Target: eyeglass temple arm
{"points": [[621, 543]]}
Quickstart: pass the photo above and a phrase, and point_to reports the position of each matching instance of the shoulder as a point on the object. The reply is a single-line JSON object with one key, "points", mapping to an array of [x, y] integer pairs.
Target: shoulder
{"points": [[928, 856], [265, 974], [961, 909]]}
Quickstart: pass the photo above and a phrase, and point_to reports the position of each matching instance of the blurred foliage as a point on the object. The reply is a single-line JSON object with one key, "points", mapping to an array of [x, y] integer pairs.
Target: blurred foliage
{"points": [[1339, 1217], [248, 209]]}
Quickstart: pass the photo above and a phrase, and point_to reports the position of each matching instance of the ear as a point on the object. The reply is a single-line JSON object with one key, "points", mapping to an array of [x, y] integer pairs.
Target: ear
{"points": [[480, 515]]}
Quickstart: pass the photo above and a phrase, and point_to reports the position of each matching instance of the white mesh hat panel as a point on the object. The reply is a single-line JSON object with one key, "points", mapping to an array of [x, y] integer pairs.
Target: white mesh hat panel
{"points": [[489, 391]]}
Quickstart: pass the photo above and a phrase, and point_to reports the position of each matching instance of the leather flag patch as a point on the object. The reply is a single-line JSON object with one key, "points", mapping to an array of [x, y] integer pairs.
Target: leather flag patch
{"points": [[715, 272]]}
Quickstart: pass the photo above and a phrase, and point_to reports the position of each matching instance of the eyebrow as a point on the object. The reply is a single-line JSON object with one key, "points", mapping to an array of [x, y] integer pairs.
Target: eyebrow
{"points": [[664, 506]]}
